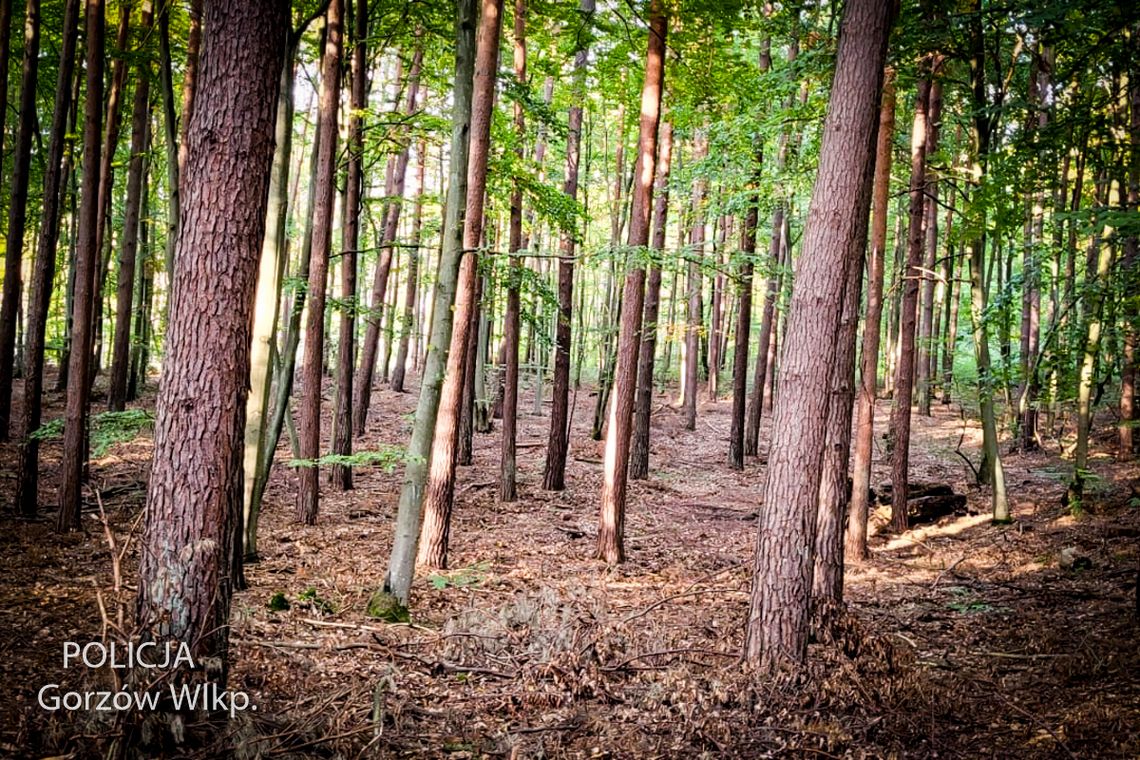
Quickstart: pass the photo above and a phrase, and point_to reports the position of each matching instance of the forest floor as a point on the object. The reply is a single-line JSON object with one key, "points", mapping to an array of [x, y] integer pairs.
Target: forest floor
{"points": [[965, 639]]}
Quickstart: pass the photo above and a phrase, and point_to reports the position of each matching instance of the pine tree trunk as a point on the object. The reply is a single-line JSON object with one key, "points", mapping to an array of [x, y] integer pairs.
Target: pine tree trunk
{"points": [[43, 272], [170, 124], [643, 401], [694, 322], [924, 342], [324, 189], [86, 262], [856, 540], [899, 427], [554, 471], [777, 631], [140, 139], [341, 475], [440, 495], [18, 209], [1130, 272], [191, 535]]}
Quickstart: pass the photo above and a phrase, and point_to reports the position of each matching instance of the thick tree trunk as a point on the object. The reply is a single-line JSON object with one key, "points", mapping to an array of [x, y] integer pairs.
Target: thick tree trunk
{"points": [[341, 475], [18, 209], [836, 228], [856, 540], [86, 262], [899, 428], [440, 495], [643, 401], [140, 139], [554, 471], [43, 272], [370, 347], [324, 190], [191, 534]]}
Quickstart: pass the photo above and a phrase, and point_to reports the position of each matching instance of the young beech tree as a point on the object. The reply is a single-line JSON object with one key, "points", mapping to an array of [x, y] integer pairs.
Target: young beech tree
{"points": [[194, 495], [777, 631], [402, 563], [611, 518]]}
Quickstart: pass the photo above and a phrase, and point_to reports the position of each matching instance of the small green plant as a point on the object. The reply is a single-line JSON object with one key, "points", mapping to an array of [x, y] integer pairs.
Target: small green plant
{"points": [[386, 458], [278, 603], [464, 576], [310, 598], [385, 606], [107, 429]]}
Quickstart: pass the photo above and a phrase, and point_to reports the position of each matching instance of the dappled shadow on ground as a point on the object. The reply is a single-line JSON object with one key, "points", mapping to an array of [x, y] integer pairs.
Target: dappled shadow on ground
{"points": [[966, 639]]}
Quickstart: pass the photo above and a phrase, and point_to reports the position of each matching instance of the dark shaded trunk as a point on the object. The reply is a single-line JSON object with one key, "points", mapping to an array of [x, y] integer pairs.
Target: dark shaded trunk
{"points": [[324, 190], [643, 402]]}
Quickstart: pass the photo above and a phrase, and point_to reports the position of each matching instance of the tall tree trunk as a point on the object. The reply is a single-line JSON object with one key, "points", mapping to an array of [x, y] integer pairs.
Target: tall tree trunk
{"points": [[440, 495], [507, 487], [406, 323], [856, 540], [777, 631], [925, 343], [5, 60], [370, 347], [611, 517], [643, 401], [341, 475], [260, 439], [18, 209], [86, 262], [189, 79], [170, 125], [694, 322], [324, 190], [1130, 273], [43, 272], [899, 428], [140, 139], [554, 471], [191, 535]]}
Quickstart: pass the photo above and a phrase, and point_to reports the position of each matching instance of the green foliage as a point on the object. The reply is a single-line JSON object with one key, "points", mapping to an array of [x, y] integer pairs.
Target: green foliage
{"points": [[384, 606], [386, 457], [466, 576], [278, 602], [314, 601], [107, 429]]}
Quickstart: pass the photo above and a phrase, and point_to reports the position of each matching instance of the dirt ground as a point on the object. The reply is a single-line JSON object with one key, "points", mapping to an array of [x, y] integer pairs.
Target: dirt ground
{"points": [[965, 639]]}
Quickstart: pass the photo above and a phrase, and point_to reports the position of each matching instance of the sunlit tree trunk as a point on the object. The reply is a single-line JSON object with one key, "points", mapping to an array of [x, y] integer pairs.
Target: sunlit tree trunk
{"points": [[611, 518], [440, 495]]}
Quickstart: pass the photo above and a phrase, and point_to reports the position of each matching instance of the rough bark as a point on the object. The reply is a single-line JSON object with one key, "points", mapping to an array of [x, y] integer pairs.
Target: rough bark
{"points": [[856, 540], [194, 493], [643, 402], [611, 517], [440, 495], [554, 470], [777, 629], [43, 272], [86, 262], [324, 190]]}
